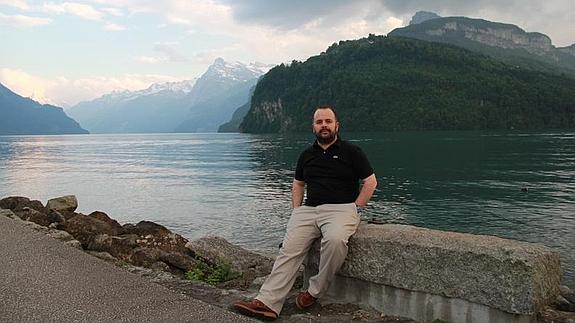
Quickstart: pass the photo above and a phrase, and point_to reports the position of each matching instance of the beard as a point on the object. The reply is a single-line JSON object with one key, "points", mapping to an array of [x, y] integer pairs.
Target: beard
{"points": [[325, 139]]}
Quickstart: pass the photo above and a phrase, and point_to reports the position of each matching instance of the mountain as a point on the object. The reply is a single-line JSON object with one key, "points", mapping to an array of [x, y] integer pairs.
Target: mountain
{"points": [[218, 92], [23, 116], [505, 42], [234, 124], [188, 106], [568, 50], [383, 83], [422, 16], [159, 108]]}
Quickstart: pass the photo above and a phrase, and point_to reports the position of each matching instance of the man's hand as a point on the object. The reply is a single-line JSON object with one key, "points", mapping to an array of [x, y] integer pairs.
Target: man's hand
{"points": [[367, 189], [297, 189]]}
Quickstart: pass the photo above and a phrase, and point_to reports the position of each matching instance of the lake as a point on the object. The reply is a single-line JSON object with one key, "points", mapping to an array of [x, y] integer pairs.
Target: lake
{"points": [[516, 185]]}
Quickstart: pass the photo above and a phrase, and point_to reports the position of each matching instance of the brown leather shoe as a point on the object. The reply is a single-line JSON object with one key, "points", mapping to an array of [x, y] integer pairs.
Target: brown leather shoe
{"points": [[256, 308], [304, 300]]}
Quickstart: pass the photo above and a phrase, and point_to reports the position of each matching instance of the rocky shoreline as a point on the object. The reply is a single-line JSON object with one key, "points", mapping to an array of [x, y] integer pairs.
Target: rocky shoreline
{"points": [[162, 256]]}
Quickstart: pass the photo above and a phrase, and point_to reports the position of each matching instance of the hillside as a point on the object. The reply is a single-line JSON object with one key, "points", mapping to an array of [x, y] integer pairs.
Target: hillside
{"points": [[505, 42], [234, 124], [383, 83], [23, 116]]}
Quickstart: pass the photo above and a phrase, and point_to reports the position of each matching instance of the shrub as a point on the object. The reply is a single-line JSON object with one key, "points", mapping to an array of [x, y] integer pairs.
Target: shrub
{"points": [[212, 275]]}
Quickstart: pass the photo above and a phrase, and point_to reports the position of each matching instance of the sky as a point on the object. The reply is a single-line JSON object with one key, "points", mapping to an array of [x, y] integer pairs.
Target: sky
{"points": [[64, 52]]}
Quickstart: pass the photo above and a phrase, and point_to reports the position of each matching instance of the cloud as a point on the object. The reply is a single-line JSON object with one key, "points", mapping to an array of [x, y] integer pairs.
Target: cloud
{"points": [[285, 40], [113, 27], [286, 14], [150, 59], [258, 30], [169, 52], [26, 85], [113, 11], [392, 22], [23, 21], [553, 18], [77, 9], [165, 52], [20, 4], [65, 92], [181, 12]]}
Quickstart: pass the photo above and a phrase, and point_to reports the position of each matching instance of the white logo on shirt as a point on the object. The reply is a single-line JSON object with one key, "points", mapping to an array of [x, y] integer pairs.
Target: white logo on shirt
{"points": [[335, 156]]}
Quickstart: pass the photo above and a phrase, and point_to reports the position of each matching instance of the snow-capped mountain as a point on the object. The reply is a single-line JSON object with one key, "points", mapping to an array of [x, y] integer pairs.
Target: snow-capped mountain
{"points": [[181, 87], [218, 92], [236, 71], [221, 76], [158, 108], [203, 103]]}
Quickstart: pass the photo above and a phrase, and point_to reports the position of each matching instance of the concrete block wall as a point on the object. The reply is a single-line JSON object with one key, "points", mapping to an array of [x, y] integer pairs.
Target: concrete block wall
{"points": [[428, 274]]}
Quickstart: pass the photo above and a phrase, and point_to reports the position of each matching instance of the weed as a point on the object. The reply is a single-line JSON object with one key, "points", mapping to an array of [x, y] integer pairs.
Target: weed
{"points": [[212, 275]]}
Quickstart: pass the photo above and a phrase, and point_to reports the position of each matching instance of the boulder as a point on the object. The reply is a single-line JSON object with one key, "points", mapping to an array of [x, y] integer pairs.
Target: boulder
{"points": [[218, 251], [104, 217], [16, 203], [60, 235], [145, 257], [144, 228], [67, 214], [102, 255], [567, 293], [178, 260], [67, 203], [563, 304], [8, 213], [120, 247], [29, 214], [84, 228], [153, 235], [74, 244], [160, 266], [56, 217]]}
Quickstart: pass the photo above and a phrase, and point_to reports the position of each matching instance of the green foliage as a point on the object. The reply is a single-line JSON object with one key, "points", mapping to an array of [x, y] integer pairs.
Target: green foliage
{"points": [[202, 272], [383, 83]]}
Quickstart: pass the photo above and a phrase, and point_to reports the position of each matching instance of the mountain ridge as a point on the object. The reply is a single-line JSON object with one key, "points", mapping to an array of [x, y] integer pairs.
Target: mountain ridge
{"points": [[503, 41], [24, 116], [169, 107]]}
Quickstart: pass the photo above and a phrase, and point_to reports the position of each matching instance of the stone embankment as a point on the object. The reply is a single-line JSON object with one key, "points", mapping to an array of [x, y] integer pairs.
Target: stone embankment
{"points": [[156, 253], [162, 256]]}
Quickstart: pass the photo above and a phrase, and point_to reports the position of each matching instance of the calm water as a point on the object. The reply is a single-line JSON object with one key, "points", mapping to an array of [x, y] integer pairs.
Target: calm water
{"points": [[238, 185]]}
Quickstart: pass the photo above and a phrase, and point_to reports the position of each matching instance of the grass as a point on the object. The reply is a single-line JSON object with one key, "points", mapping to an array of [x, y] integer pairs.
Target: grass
{"points": [[202, 272]]}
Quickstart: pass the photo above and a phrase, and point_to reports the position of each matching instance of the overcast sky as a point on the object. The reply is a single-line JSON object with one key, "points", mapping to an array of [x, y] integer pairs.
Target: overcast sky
{"points": [[62, 52]]}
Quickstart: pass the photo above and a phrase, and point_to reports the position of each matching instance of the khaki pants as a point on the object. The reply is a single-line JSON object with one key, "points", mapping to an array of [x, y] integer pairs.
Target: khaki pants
{"points": [[335, 223]]}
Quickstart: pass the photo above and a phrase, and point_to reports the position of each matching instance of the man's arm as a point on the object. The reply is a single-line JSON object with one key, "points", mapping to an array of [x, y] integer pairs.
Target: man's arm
{"points": [[297, 189], [367, 189]]}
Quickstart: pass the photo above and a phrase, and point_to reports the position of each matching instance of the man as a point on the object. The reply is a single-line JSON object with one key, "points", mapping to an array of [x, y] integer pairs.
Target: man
{"points": [[329, 171]]}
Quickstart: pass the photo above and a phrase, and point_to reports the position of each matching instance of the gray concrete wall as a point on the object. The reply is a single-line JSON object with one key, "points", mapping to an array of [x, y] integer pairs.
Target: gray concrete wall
{"points": [[428, 274]]}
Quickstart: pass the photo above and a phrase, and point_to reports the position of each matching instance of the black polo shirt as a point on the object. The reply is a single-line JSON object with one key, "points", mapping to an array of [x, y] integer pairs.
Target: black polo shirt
{"points": [[332, 176]]}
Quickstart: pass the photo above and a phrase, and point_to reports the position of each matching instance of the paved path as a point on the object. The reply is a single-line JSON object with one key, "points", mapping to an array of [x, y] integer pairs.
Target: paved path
{"points": [[43, 280]]}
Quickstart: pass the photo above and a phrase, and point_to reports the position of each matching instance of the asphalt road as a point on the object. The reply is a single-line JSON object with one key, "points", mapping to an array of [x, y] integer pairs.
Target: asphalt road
{"points": [[43, 280]]}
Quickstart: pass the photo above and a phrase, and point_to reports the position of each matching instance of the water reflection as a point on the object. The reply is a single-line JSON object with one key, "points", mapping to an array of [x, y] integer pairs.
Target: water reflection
{"points": [[519, 186]]}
